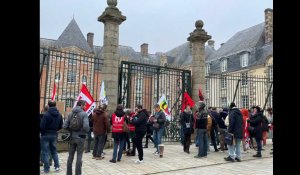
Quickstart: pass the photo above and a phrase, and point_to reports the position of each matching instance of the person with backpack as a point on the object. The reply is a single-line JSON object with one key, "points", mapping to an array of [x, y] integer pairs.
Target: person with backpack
{"points": [[78, 125], [118, 134], [51, 122]]}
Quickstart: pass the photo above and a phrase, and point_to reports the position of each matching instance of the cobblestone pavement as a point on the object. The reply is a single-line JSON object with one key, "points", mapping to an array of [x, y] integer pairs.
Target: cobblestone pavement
{"points": [[174, 162]]}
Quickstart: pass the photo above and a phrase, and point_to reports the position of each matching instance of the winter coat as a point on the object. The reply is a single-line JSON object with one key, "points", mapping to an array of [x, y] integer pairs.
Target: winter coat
{"points": [[256, 122], [186, 119], [221, 120], [201, 119], [140, 121], [100, 122], [51, 122], [236, 123], [85, 123]]}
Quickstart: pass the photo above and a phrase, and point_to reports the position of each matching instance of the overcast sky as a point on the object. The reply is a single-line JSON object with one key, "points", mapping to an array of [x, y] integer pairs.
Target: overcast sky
{"points": [[163, 24]]}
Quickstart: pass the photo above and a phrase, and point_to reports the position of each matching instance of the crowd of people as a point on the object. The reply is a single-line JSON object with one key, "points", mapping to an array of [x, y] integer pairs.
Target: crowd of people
{"points": [[230, 129]]}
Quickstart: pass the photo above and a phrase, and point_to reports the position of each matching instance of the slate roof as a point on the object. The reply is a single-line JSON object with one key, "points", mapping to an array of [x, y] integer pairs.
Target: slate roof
{"points": [[182, 55], [250, 40], [72, 36]]}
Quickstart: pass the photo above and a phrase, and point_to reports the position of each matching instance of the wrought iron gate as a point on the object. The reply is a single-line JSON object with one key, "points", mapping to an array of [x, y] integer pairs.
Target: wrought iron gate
{"points": [[144, 84]]}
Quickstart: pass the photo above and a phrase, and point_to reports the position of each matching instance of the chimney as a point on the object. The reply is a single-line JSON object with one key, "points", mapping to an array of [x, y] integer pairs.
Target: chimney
{"points": [[268, 25], [90, 39], [211, 43], [144, 49], [222, 44]]}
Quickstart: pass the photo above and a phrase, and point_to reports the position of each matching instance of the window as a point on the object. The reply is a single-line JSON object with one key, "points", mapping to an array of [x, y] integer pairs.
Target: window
{"points": [[223, 82], [244, 59], [224, 65], [244, 79], [69, 102], [57, 77], [207, 69], [207, 102], [139, 88], [72, 59], [84, 79], [85, 60], [71, 78], [224, 102], [207, 85], [271, 73], [245, 101]]}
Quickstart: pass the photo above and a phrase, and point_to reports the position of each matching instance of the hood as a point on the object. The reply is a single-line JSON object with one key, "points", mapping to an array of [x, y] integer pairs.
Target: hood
{"points": [[235, 110], [245, 112], [201, 105], [145, 112], [99, 111], [53, 111], [77, 109], [119, 113], [188, 112]]}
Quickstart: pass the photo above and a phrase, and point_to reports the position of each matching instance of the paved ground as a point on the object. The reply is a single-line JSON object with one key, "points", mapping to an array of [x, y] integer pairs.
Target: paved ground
{"points": [[174, 162]]}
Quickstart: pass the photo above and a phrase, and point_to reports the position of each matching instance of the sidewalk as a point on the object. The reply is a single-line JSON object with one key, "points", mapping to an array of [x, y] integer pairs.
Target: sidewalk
{"points": [[175, 161]]}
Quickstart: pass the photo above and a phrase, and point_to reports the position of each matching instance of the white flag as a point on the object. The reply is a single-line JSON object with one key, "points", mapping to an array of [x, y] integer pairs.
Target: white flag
{"points": [[103, 98]]}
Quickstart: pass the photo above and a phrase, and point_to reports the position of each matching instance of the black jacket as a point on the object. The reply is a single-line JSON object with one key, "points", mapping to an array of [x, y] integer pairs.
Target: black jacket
{"points": [[140, 121], [201, 119], [215, 117], [236, 123], [256, 122], [221, 120], [161, 119], [185, 118], [51, 122]]}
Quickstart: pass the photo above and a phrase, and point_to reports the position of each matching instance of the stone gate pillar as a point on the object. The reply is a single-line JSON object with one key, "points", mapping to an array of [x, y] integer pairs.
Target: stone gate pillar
{"points": [[111, 18], [198, 38]]}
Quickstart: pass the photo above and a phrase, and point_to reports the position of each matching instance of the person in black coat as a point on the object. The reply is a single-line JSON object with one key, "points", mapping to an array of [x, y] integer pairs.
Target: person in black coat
{"points": [[187, 123], [222, 128], [214, 130], [140, 123], [236, 129], [256, 122], [149, 132]]}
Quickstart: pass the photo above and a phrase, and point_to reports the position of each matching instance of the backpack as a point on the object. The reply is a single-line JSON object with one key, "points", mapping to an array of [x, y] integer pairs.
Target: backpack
{"points": [[265, 124], [75, 123]]}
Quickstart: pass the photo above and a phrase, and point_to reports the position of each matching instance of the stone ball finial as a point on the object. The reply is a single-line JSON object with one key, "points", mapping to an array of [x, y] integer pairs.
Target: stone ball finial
{"points": [[112, 3], [199, 24]]}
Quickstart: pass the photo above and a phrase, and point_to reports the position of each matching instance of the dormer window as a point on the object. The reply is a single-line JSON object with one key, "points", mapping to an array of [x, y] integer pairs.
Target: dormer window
{"points": [[207, 69], [244, 59], [224, 65]]}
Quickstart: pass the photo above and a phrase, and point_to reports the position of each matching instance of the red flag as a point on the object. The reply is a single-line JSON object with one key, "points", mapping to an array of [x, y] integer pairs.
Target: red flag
{"points": [[201, 97], [53, 93], [187, 100], [85, 95]]}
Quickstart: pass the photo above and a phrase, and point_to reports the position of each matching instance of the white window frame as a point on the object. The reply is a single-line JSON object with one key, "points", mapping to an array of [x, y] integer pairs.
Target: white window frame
{"points": [[82, 79], [244, 79], [207, 69], [224, 65], [244, 59], [57, 77], [223, 82], [270, 73], [223, 101], [71, 77], [245, 101], [72, 59]]}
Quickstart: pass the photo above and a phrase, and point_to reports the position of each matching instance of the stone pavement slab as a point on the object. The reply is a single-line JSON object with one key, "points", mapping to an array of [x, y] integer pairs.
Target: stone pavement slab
{"points": [[175, 161]]}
